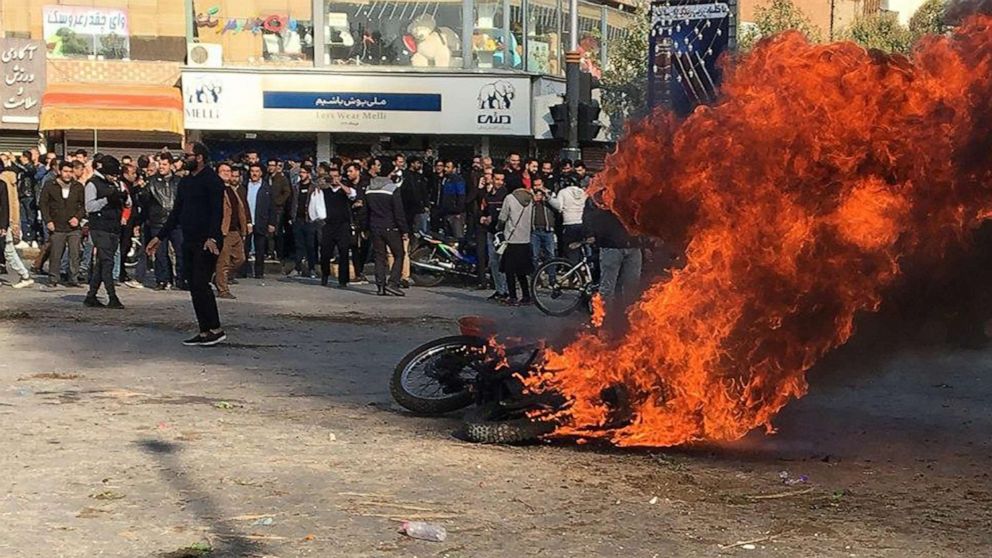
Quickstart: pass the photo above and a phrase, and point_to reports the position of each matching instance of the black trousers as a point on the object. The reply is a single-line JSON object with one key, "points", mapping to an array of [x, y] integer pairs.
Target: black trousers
{"points": [[127, 232], [391, 238], [260, 242], [335, 236], [359, 253], [199, 266], [106, 245]]}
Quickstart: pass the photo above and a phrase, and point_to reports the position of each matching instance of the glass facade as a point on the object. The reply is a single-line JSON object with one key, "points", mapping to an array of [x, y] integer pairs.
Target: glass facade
{"points": [[257, 32], [497, 40], [526, 35], [544, 37], [394, 33]]}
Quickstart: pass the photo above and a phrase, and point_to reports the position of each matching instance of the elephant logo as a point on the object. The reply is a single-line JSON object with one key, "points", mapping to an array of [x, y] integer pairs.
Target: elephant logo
{"points": [[497, 95], [208, 93]]}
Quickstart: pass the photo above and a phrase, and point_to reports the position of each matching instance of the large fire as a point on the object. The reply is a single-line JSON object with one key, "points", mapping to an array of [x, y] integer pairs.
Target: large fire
{"points": [[823, 171]]}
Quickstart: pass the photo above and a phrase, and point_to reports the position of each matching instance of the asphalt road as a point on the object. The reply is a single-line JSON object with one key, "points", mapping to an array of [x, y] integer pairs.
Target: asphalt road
{"points": [[120, 442]]}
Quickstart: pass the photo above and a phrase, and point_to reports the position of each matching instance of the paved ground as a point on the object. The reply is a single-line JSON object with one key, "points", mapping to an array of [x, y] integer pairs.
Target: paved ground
{"points": [[120, 442]]}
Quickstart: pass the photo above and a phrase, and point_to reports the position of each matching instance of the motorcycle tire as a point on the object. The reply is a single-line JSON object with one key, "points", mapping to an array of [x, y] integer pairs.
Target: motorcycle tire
{"points": [[514, 431], [431, 405], [424, 278]]}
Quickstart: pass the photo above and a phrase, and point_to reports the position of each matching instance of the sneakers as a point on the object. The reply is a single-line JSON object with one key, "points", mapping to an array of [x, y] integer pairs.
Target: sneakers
{"points": [[498, 297], [131, 283], [92, 302], [161, 286], [205, 339], [115, 303], [26, 282]]}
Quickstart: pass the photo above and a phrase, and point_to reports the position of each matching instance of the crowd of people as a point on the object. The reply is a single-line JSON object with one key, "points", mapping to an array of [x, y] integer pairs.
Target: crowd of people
{"points": [[98, 219]]}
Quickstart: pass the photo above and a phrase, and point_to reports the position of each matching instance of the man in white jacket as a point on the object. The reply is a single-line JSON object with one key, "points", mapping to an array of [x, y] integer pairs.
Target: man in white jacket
{"points": [[570, 201]]}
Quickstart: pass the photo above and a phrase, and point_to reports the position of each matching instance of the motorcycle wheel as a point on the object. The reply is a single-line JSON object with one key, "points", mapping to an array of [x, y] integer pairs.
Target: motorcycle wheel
{"points": [[514, 431], [423, 277], [415, 388]]}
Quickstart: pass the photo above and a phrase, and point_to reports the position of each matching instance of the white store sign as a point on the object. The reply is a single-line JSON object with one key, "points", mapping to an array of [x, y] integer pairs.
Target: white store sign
{"points": [[472, 105]]}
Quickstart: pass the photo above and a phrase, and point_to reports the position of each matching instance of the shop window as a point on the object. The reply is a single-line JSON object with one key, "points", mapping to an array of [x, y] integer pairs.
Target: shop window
{"points": [[544, 37], [264, 32], [617, 27], [492, 45], [395, 33]]}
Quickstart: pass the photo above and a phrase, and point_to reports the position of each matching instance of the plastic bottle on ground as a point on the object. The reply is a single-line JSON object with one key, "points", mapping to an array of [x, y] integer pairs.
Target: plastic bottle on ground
{"points": [[424, 531]]}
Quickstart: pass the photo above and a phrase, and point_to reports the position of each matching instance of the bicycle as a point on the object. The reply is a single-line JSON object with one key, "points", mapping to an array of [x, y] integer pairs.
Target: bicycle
{"points": [[559, 286]]}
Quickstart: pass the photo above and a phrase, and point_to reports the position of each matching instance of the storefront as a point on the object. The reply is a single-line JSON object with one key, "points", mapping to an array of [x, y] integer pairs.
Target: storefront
{"points": [[23, 81], [356, 114], [106, 78]]}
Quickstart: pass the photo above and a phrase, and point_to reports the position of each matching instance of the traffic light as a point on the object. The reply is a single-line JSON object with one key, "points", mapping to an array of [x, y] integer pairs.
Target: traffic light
{"points": [[559, 124], [589, 124]]}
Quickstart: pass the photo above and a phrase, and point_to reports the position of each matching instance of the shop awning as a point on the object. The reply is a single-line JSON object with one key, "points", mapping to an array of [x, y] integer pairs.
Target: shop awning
{"points": [[81, 106]]}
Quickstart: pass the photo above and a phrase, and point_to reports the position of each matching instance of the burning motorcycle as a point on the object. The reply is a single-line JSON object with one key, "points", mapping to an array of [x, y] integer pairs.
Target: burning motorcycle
{"points": [[470, 370], [434, 259]]}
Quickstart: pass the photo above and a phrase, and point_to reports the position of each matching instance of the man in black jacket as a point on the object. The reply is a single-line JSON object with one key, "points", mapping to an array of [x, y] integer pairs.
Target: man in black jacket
{"points": [[264, 216], [158, 199], [338, 198], [355, 179], [105, 203], [619, 253], [199, 210], [387, 226], [416, 196]]}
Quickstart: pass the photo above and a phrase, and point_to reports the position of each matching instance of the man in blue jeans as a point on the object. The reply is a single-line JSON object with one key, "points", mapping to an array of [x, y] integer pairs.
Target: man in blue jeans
{"points": [[542, 235], [491, 205]]}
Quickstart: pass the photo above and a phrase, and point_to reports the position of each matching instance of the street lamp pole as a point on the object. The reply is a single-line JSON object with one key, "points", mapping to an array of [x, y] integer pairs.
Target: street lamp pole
{"points": [[572, 58]]}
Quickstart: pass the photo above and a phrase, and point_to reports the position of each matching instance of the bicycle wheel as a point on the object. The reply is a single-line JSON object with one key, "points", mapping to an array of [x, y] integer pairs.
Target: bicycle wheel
{"points": [[559, 285]]}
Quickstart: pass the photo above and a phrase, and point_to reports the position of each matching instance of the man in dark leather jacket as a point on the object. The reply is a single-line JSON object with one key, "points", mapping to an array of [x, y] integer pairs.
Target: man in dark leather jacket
{"points": [[158, 198]]}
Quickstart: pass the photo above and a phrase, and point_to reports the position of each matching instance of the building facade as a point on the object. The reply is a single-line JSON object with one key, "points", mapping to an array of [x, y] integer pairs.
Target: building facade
{"points": [[111, 73], [293, 77], [356, 78]]}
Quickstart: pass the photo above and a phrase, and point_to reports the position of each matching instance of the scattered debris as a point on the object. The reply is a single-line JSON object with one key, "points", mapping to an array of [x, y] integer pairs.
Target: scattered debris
{"points": [[51, 376], [791, 481], [750, 544], [195, 550], [779, 494], [653, 500], [90, 513], [226, 405], [424, 531], [263, 522], [108, 495]]}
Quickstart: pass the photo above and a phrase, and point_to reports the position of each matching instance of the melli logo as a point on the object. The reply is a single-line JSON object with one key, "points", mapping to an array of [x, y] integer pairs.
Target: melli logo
{"points": [[495, 99], [204, 99]]}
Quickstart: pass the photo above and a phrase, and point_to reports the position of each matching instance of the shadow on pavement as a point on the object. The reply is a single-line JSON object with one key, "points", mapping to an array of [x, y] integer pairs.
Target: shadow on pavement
{"points": [[232, 543]]}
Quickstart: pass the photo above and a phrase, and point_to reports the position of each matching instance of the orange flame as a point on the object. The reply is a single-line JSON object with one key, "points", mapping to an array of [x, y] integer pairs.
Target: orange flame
{"points": [[824, 169], [598, 311]]}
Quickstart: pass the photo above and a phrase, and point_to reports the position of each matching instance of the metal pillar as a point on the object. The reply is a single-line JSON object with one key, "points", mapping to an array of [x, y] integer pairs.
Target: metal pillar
{"points": [[468, 26], [319, 35], [572, 58], [507, 56]]}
